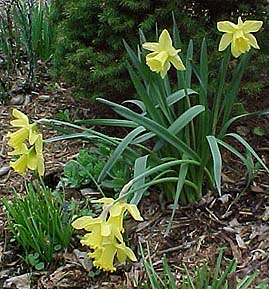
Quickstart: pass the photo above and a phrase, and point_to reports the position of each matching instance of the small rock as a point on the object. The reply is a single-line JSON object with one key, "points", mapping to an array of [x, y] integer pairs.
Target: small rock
{"points": [[4, 170], [18, 99], [44, 97], [242, 130]]}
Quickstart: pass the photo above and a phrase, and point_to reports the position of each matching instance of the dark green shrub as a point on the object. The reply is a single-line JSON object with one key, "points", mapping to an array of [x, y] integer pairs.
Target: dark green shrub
{"points": [[89, 53]]}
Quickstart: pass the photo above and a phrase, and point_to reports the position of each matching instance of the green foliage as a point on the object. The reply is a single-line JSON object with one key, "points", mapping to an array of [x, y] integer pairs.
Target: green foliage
{"points": [[89, 51], [89, 164], [182, 123], [176, 131], [39, 223], [203, 277]]}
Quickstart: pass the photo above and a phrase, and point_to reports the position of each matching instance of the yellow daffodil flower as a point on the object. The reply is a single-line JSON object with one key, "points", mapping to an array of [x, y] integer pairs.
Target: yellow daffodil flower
{"points": [[36, 159], [20, 165], [93, 225], [105, 237], [26, 131], [238, 35], [163, 54], [29, 158], [104, 257], [117, 210]]}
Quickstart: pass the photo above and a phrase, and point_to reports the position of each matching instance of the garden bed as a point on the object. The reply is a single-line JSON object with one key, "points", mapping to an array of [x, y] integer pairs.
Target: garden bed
{"points": [[236, 220]]}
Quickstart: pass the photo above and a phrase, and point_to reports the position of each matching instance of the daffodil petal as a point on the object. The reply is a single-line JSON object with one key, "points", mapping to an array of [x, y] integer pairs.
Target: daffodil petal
{"points": [[151, 46], [157, 62], [105, 229], [226, 26], [20, 150], [22, 119], [32, 160], [235, 51], [41, 166], [38, 144], [20, 165], [177, 62], [225, 41], [166, 67], [252, 26], [116, 210], [165, 41], [33, 135], [123, 252], [18, 137], [105, 201], [105, 261], [252, 40], [82, 222], [133, 210]]}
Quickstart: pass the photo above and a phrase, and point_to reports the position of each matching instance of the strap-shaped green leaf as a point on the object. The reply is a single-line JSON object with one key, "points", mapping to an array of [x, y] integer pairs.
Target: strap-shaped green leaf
{"points": [[153, 127], [139, 168], [217, 160], [249, 148], [185, 118], [117, 153], [178, 95], [181, 179]]}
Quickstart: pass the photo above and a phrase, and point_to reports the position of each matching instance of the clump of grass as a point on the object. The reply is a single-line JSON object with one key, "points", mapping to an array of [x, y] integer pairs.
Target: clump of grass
{"points": [[39, 223]]}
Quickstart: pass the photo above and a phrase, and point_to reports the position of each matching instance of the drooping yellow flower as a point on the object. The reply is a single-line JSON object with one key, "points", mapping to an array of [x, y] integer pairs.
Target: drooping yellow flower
{"points": [[104, 257], [93, 225], [238, 35], [20, 165], [116, 213], [29, 158], [163, 55], [35, 157], [26, 131], [119, 208], [105, 237]]}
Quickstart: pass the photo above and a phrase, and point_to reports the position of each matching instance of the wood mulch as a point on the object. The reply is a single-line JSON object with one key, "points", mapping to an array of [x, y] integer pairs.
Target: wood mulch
{"points": [[238, 221]]}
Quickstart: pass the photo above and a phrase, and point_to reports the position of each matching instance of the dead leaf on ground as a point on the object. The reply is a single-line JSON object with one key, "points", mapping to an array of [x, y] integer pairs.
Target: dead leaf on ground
{"points": [[21, 282], [83, 259]]}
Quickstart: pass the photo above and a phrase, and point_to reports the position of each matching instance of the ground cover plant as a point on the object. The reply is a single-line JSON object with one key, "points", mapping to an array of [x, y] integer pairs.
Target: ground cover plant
{"points": [[39, 224], [176, 134]]}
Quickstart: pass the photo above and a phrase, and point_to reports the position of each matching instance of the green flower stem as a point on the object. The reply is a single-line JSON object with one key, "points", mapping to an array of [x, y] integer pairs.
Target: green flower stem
{"points": [[221, 81], [189, 106]]}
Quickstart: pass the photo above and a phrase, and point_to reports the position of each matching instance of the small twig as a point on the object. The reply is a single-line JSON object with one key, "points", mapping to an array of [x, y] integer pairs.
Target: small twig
{"points": [[176, 248], [4, 142]]}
